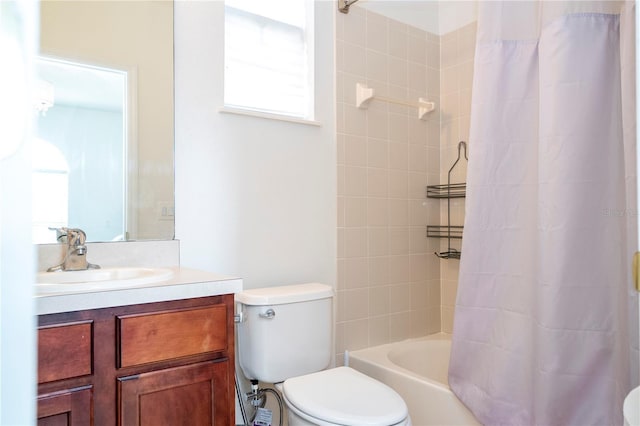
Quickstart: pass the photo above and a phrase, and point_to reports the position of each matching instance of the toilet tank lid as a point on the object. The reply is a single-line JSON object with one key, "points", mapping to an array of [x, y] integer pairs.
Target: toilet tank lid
{"points": [[284, 294]]}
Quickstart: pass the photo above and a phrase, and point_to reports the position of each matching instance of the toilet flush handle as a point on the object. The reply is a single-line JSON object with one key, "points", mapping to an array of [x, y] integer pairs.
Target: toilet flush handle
{"points": [[269, 314]]}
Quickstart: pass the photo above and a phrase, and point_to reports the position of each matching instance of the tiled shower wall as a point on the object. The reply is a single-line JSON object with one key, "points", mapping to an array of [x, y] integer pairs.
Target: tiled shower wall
{"points": [[388, 278], [390, 285], [457, 50]]}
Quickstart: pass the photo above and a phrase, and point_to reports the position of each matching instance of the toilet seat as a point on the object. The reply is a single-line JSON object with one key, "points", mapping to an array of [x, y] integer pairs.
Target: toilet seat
{"points": [[344, 396]]}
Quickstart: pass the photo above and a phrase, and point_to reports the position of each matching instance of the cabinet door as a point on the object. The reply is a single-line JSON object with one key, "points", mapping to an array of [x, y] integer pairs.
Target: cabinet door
{"points": [[192, 395], [66, 408]]}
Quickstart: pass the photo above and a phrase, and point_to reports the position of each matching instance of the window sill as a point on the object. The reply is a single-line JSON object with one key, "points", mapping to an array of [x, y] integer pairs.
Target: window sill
{"points": [[268, 116]]}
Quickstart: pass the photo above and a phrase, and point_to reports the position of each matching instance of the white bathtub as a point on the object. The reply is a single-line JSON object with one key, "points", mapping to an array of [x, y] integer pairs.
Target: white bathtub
{"points": [[417, 370]]}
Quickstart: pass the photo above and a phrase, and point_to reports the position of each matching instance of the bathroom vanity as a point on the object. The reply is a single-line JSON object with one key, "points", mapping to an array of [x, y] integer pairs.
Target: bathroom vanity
{"points": [[163, 356]]}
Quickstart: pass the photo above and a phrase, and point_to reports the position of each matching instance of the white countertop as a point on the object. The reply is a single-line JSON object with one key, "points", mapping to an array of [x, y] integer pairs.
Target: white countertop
{"points": [[184, 284]]}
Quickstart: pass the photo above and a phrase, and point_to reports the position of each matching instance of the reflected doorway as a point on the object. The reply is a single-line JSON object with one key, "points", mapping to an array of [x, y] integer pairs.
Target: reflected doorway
{"points": [[83, 121]]}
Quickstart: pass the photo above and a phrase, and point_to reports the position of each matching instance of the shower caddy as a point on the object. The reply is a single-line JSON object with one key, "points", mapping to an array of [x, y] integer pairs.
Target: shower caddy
{"points": [[448, 191]]}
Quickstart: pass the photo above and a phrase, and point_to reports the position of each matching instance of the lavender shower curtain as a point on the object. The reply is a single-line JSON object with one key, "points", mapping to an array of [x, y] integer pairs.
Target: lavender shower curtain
{"points": [[546, 324]]}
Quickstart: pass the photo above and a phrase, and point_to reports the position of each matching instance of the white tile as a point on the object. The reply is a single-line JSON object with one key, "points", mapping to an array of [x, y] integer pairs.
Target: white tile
{"points": [[417, 131], [378, 271], [355, 181], [399, 326], [340, 243], [377, 124], [355, 150], [355, 121], [355, 242], [398, 128], [417, 184], [399, 270], [417, 158], [417, 50], [377, 66], [420, 323], [378, 241], [356, 272], [419, 241], [357, 304], [377, 155], [399, 240], [448, 50], [398, 212], [449, 80], [379, 330], [355, 209], [355, 29], [379, 300], [398, 156], [340, 276], [378, 211], [450, 105], [356, 334], [354, 59], [377, 182], [419, 267], [398, 74], [418, 213], [417, 77], [398, 183], [397, 43], [433, 55], [419, 295], [377, 33], [400, 298]]}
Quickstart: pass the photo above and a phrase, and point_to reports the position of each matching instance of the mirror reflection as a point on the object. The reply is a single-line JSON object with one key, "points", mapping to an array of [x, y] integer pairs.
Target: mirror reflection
{"points": [[103, 159], [80, 151]]}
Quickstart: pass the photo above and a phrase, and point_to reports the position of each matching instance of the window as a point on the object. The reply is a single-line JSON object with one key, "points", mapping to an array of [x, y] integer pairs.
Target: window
{"points": [[268, 56]]}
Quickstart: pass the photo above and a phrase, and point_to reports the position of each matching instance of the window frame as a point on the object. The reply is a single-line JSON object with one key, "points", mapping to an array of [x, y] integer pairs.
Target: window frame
{"points": [[306, 117]]}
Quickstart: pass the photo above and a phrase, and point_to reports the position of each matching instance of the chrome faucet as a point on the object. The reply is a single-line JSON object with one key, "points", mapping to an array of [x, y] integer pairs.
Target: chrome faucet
{"points": [[75, 258]]}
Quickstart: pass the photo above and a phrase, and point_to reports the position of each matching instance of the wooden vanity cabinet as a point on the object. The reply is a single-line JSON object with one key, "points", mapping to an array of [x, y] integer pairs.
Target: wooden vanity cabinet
{"points": [[167, 363]]}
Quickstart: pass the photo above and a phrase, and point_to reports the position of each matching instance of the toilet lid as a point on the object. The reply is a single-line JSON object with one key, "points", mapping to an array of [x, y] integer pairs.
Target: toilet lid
{"points": [[347, 397]]}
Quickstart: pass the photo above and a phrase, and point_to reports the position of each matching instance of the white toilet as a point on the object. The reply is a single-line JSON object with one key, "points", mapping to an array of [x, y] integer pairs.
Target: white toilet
{"points": [[285, 336]]}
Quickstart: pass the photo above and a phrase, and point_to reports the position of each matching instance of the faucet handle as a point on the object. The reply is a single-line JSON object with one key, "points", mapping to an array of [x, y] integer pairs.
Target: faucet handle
{"points": [[75, 236], [61, 233], [72, 236]]}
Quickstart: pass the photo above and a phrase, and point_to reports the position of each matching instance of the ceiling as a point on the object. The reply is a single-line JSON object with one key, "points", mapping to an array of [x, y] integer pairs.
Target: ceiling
{"points": [[437, 17], [83, 85]]}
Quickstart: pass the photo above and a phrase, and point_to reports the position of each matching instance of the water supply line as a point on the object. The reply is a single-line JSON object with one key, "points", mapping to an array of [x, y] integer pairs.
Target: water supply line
{"points": [[258, 399]]}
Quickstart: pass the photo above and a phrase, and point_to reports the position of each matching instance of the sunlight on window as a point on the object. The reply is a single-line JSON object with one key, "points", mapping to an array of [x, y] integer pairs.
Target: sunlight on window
{"points": [[268, 54]]}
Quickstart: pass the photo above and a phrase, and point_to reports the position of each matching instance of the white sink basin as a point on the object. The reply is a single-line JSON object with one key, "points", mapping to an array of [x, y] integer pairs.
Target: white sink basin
{"points": [[99, 279]]}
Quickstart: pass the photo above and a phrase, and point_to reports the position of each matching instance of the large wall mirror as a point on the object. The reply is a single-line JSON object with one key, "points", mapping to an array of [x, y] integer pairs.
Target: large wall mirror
{"points": [[103, 156]]}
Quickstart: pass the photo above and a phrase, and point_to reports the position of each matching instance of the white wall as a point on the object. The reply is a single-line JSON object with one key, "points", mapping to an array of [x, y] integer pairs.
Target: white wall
{"points": [[255, 198]]}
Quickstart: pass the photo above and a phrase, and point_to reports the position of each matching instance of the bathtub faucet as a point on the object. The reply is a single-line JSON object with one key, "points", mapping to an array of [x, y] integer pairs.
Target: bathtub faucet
{"points": [[75, 258]]}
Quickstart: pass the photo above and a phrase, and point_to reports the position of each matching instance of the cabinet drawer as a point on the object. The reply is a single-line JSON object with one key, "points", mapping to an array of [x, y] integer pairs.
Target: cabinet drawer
{"points": [[64, 351], [163, 336], [71, 407]]}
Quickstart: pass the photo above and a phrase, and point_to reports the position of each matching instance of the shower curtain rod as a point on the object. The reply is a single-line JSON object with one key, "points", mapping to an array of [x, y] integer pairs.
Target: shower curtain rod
{"points": [[343, 5]]}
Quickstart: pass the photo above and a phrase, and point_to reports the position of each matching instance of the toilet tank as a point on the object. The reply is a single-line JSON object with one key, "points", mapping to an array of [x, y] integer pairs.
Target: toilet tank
{"points": [[285, 331]]}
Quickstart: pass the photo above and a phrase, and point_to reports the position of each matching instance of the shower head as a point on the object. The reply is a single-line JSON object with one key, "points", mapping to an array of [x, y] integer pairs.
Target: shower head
{"points": [[343, 5]]}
